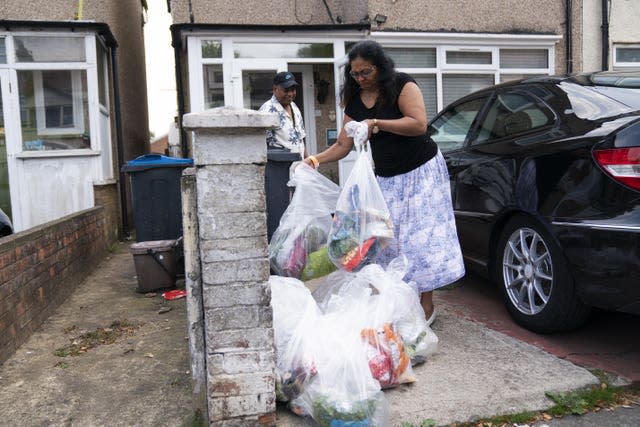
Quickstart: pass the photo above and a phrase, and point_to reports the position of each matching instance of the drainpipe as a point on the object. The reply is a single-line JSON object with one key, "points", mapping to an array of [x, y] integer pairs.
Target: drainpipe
{"points": [[605, 35], [179, 92], [119, 145], [191, 18], [569, 25], [80, 12]]}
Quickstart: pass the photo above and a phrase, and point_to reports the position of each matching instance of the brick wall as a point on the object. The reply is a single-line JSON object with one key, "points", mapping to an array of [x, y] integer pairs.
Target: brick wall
{"points": [[40, 267], [227, 270], [107, 196]]}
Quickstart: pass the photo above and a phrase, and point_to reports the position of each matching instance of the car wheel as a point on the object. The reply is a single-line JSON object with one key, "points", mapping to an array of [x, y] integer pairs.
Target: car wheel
{"points": [[537, 287]]}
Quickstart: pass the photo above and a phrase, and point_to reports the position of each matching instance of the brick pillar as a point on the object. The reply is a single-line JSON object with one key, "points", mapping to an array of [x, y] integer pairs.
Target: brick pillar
{"points": [[228, 268]]}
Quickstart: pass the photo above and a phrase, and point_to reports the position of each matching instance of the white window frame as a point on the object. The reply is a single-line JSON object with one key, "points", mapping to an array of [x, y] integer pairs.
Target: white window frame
{"points": [[93, 104], [619, 64]]}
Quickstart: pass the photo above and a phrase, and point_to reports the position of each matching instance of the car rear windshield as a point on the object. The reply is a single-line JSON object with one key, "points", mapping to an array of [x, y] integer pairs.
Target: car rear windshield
{"points": [[596, 102]]}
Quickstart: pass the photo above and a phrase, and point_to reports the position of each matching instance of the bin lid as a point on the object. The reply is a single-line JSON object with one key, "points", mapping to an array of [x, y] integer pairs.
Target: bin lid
{"points": [[279, 155], [141, 248], [150, 161]]}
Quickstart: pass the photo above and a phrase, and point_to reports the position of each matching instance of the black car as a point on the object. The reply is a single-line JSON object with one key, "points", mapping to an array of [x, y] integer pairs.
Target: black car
{"points": [[5, 224], [545, 180]]}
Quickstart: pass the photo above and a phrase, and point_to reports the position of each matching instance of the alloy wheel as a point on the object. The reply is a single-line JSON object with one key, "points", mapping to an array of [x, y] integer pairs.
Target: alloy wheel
{"points": [[527, 270]]}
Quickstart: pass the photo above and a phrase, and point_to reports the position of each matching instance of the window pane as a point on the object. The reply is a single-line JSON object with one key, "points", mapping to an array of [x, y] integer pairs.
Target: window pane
{"points": [[211, 49], [101, 63], [53, 109], [5, 196], [412, 57], [213, 86], [454, 57], [455, 86], [628, 54], [427, 84], [510, 77], [283, 50], [450, 130], [49, 49], [3, 52], [524, 58]]}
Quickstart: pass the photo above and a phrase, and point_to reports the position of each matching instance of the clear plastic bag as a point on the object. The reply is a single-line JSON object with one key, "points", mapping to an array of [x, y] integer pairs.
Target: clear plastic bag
{"points": [[295, 314], [343, 393], [361, 226], [400, 305], [304, 226]]}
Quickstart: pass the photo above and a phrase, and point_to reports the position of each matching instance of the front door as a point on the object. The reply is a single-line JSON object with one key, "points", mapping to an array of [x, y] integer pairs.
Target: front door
{"points": [[5, 195], [253, 81]]}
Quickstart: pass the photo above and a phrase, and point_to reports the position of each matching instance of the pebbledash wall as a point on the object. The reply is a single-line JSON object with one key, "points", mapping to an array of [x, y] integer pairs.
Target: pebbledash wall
{"points": [[42, 266]]}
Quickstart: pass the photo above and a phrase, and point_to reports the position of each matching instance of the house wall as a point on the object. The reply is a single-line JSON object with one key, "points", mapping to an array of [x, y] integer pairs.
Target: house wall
{"points": [[40, 267], [472, 16], [624, 16], [592, 38]]}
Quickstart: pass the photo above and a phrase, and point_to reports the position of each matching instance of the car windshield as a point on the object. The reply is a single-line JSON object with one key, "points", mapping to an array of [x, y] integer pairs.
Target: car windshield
{"points": [[596, 102]]}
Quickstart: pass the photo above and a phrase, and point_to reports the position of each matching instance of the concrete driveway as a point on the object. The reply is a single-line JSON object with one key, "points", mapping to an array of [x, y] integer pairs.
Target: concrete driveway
{"points": [[141, 376]]}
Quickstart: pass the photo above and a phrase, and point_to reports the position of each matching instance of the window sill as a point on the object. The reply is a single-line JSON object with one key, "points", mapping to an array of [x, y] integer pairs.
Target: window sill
{"points": [[56, 153]]}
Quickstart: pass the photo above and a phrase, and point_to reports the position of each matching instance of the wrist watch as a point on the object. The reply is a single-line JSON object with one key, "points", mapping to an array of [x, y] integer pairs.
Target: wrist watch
{"points": [[375, 128]]}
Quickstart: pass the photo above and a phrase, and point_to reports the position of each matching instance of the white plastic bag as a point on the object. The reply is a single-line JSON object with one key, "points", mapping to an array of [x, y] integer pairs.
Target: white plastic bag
{"points": [[304, 226], [343, 392], [295, 314], [399, 303], [361, 225]]}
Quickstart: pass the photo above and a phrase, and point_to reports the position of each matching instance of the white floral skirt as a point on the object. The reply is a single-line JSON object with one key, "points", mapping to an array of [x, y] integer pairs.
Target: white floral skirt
{"points": [[420, 205]]}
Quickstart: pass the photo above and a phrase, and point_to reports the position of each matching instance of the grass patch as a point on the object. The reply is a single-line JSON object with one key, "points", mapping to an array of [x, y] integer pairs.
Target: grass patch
{"points": [[100, 336], [573, 403], [195, 420]]}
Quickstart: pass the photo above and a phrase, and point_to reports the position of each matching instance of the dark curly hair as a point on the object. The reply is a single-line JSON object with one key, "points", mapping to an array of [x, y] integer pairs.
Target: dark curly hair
{"points": [[371, 51]]}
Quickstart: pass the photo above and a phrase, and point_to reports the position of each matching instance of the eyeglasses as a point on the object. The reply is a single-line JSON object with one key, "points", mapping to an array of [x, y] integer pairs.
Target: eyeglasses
{"points": [[364, 73]]}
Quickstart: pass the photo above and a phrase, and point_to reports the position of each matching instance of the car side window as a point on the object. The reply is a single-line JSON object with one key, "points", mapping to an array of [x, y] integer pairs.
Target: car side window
{"points": [[450, 130], [513, 114]]}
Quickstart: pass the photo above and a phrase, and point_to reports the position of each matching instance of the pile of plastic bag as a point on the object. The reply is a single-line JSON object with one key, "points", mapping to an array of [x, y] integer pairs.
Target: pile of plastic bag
{"points": [[363, 329], [338, 348]]}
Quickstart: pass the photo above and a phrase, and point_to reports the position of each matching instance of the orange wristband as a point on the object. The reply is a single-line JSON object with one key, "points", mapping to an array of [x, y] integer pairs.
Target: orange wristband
{"points": [[315, 161]]}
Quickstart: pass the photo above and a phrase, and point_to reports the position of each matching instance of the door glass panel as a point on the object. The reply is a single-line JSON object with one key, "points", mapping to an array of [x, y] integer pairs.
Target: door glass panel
{"points": [[213, 86], [49, 49], [3, 51], [53, 109], [257, 87], [450, 130], [5, 198]]}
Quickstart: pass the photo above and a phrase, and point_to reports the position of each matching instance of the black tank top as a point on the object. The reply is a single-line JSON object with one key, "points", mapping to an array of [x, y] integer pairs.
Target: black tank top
{"points": [[393, 154]]}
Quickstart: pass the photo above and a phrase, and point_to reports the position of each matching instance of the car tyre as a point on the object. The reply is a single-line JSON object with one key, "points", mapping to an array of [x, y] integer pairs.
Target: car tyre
{"points": [[536, 284]]}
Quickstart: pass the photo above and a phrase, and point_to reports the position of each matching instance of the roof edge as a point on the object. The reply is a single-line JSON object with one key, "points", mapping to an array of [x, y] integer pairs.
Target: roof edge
{"points": [[178, 29], [99, 27]]}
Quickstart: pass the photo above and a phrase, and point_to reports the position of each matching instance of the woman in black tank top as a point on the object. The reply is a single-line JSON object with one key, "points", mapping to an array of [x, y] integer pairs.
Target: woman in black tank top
{"points": [[411, 171]]}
